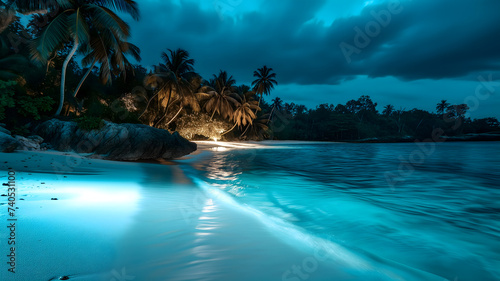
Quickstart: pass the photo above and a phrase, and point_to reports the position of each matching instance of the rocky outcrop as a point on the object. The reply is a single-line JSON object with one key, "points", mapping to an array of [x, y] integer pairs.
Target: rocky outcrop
{"points": [[7, 142], [3, 130], [30, 143], [115, 141]]}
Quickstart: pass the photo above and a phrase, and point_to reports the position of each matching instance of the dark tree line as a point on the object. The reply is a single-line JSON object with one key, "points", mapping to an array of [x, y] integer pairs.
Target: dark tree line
{"points": [[359, 119]]}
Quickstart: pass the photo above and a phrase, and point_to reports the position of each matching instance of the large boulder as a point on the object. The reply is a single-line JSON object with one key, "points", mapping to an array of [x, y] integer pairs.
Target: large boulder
{"points": [[30, 143], [115, 141], [7, 143]]}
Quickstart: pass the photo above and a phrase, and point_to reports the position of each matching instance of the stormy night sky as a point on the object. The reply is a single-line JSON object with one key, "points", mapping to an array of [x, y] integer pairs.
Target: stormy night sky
{"points": [[406, 53]]}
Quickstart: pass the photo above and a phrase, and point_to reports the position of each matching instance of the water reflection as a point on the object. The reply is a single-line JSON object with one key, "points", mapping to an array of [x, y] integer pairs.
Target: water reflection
{"points": [[447, 207]]}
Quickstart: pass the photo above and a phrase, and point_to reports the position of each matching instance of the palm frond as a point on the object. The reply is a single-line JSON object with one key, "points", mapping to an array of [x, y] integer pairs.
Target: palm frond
{"points": [[127, 6], [54, 35], [104, 18], [79, 30]]}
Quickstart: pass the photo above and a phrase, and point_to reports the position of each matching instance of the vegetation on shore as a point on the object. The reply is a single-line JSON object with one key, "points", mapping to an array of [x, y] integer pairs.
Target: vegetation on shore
{"points": [[73, 60]]}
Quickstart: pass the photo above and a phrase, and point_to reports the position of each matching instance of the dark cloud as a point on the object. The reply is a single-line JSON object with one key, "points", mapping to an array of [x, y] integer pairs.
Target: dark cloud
{"points": [[428, 51], [425, 39]]}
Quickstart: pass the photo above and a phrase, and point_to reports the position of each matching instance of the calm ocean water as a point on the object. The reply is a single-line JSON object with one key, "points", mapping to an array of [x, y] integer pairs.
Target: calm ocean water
{"points": [[284, 211], [433, 207]]}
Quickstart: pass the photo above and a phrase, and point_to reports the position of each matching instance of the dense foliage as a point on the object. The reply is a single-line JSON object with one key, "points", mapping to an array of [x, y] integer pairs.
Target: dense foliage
{"points": [[359, 119]]}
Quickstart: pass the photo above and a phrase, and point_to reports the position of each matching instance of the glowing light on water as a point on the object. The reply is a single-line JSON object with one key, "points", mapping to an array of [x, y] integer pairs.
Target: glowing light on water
{"points": [[82, 193], [97, 196], [220, 145], [219, 148]]}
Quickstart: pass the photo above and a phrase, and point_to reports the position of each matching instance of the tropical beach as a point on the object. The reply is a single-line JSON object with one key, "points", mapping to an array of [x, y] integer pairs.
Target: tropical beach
{"points": [[249, 140], [221, 215]]}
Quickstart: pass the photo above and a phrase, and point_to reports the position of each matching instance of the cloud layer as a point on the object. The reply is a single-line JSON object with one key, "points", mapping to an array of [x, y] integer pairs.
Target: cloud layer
{"points": [[408, 39]]}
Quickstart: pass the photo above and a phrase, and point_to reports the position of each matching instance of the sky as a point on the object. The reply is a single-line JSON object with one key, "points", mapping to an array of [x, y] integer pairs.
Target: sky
{"points": [[408, 53]]}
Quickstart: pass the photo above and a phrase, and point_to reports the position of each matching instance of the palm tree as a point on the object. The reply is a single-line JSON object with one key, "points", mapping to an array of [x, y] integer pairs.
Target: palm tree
{"points": [[243, 89], [258, 128], [243, 114], [300, 110], [265, 81], [112, 59], [277, 105], [188, 97], [388, 110], [221, 95], [175, 81], [442, 106], [73, 23]]}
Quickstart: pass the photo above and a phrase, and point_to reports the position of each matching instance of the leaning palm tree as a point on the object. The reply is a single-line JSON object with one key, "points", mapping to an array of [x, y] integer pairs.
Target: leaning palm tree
{"points": [[187, 97], [174, 81], [222, 97], [258, 129], [265, 81], [442, 107], [112, 58], [244, 112], [73, 23]]}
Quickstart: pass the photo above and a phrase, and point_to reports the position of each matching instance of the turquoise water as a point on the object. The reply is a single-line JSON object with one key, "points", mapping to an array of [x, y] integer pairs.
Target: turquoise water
{"points": [[266, 211], [440, 216]]}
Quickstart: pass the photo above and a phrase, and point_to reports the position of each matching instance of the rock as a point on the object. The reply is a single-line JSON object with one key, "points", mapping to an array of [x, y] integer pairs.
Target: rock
{"points": [[30, 143], [5, 131], [45, 146], [36, 139], [115, 141], [8, 143]]}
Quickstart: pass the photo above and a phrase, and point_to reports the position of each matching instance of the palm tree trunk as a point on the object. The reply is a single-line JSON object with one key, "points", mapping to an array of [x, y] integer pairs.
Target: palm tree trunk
{"points": [[147, 105], [258, 105], [212, 115], [84, 78], [175, 116], [63, 77], [271, 115], [166, 109], [229, 129], [245, 131]]}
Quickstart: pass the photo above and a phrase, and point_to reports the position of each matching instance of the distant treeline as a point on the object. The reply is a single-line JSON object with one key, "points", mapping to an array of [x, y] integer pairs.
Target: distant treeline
{"points": [[359, 119]]}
